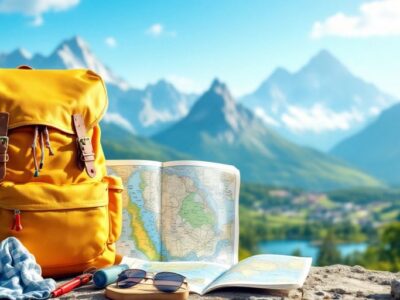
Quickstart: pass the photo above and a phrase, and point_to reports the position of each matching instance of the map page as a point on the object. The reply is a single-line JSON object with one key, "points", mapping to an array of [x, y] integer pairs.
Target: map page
{"points": [[266, 271], [199, 275], [260, 271], [179, 211]]}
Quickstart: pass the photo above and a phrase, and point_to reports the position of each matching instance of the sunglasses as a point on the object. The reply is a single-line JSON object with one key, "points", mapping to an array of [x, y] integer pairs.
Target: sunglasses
{"points": [[167, 282]]}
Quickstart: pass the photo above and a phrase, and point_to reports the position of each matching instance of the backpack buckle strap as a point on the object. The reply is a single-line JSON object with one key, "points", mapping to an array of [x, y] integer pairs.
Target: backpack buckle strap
{"points": [[86, 149], [4, 140], [86, 156]]}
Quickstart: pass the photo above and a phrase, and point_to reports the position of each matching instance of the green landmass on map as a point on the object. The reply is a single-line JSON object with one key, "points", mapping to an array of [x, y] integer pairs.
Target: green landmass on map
{"points": [[195, 213]]}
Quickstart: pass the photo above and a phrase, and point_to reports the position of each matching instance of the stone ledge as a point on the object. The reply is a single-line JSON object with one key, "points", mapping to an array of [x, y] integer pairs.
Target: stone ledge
{"points": [[323, 283]]}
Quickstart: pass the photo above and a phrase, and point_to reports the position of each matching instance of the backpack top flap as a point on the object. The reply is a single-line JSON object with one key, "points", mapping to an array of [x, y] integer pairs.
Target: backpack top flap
{"points": [[51, 97]]}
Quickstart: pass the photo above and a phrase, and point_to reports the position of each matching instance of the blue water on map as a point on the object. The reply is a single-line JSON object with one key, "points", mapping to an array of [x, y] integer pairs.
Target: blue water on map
{"points": [[149, 218]]}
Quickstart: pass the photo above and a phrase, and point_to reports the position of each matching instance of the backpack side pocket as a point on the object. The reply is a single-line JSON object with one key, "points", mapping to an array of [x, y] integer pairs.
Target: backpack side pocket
{"points": [[115, 188]]}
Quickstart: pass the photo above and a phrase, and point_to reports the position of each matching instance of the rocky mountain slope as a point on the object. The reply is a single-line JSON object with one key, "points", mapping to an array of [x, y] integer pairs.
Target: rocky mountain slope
{"points": [[219, 129]]}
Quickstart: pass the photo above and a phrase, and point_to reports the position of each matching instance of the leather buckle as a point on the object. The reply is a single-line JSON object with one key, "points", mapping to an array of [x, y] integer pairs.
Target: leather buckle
{"points": [[86, 150], [84, 141], [4, 141]]}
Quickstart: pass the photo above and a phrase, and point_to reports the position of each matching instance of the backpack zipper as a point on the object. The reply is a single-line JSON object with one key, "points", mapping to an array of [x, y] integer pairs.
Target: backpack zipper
{"points": [[17, 221], [17, 225]]}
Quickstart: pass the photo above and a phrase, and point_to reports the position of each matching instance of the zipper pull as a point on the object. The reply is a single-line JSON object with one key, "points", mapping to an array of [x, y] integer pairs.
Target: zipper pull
{"points": [[17, 225]]}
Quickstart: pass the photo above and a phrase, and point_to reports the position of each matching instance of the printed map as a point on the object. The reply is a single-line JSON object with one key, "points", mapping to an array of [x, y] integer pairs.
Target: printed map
{"points": [[267, 270], [178, 212], [260, 271]]}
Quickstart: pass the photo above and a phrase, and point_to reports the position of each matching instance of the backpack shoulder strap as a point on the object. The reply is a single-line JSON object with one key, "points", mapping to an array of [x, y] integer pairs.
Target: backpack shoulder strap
{"points": [[86, 153], [4, 119]]}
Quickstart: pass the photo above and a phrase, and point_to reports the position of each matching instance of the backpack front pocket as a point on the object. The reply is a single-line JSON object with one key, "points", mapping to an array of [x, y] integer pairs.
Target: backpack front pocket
{"points": [[60, 225]]}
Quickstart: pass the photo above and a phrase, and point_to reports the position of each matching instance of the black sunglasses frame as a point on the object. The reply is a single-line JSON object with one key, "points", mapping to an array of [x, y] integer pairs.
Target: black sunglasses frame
{"points": [[160, 280]]}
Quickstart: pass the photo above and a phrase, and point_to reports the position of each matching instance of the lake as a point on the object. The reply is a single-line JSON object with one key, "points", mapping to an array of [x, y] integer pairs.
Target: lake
{"points": [[287, 247]]}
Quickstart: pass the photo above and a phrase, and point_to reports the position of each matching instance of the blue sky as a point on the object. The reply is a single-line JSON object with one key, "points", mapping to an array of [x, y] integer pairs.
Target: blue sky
{"points": [[191, 42]]}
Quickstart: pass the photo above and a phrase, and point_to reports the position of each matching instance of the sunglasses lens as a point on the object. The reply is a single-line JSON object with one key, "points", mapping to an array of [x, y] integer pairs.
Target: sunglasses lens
{"points": [[168, 282], [129, 278]]}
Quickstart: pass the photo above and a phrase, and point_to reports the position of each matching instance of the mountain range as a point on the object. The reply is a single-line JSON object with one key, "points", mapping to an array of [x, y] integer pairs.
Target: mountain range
{"points": [[73, 53], [219, 129], [320, 104], [150, 110], [143, 111], [376, 149]]}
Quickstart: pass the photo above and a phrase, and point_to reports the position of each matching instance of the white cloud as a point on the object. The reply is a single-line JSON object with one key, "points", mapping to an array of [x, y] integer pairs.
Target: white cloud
{"points": [[35, 8], [374, 110], [111, 42], [319, 119], [376, 18], [259, 112], [158, 30], [119, 120], [155, 29], [37, 21]]}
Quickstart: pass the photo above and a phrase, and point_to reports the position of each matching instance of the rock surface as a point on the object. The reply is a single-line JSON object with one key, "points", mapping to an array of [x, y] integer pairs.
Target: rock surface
{"points": [[323, 283], [396, 289], [344, 282]]}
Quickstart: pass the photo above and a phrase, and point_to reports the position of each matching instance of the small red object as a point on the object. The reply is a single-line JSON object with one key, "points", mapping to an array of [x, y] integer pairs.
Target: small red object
{"points": [[17, 225], [70, 285]]}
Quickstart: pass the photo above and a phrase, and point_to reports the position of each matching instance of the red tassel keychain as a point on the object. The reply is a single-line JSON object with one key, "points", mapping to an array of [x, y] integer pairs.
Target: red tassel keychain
{"points": [[17, 225]]}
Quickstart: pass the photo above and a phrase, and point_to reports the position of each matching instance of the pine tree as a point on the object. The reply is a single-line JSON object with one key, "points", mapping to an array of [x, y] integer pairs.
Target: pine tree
{"points": [[328, 252], [296, 252]]}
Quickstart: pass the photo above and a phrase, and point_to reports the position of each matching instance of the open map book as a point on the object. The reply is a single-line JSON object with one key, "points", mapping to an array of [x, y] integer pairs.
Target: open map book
{"points": [[260, 271], [179, 211], [183, 216]]}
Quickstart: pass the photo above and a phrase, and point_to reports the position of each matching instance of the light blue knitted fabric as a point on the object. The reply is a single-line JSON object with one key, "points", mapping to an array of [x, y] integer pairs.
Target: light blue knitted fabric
{"points": [[20, 275]]}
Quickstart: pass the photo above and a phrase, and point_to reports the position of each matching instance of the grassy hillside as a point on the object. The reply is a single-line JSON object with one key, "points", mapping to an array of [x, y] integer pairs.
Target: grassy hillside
{"points": [[120, 144]]}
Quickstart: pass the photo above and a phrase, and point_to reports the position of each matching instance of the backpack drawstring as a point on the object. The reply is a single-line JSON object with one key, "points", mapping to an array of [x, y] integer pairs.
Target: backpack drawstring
{"points": [[47, 137], [43, 134], [35, 137], [41, 150]]}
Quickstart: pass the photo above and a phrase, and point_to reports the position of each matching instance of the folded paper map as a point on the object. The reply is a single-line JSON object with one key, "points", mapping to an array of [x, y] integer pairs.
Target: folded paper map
{"points": [[179, 211]]}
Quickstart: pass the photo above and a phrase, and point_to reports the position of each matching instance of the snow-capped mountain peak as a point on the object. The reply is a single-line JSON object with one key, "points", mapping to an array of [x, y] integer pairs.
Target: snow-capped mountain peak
{"points": [[218, 108], [144, 111], [15, 58], [318, 105], [160, 84], [21, 53], [220, 88], [280, 73], [75, 53], [325, 63]]}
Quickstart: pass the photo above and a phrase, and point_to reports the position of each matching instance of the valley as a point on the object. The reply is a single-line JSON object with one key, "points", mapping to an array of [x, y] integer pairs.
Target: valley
{"points": [[318, 148]]}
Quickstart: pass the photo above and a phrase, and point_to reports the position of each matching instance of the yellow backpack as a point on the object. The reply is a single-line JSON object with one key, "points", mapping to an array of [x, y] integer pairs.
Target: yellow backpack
{"points": [[55, 195]]}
